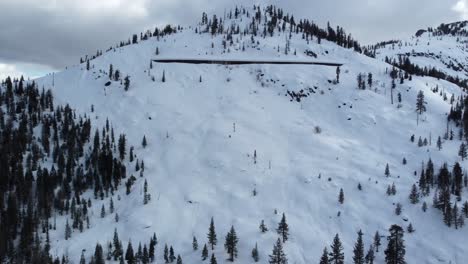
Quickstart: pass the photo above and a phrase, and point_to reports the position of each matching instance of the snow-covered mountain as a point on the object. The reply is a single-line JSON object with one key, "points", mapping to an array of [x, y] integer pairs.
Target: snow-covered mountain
{"points": [[246, 143], [442, 51]]}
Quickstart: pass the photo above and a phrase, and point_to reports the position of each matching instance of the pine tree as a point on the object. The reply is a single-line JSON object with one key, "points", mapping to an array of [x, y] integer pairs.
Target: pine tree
{"points": [[255, 256], [231, 244], [263, 227], [370, 256], [111, 72], [144, 143], [98, 255], [410, 228], [172, 257], [278, 256], [87, 65], [358, 251], [389, 190], [387, 170], [341, 196], [283, 228], [212, 235], [395, 252], [462, 152], [126, 83], [68, 230], [129, 255], [377, 242], [398, 209], [145, 256], [153, 243], [324, 258], [439, 143], [420, 103], [166, 254], [393, 189], [414, 195], [103, 211], [164, 77], [194, 243], [82, 259], [118, 251], [179, 259], [204, 252], [336, 256], [213, 259]]}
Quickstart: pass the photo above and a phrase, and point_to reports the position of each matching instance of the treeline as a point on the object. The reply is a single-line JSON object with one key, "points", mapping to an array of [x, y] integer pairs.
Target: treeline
{"points": [[405, 64], [264, 22]]}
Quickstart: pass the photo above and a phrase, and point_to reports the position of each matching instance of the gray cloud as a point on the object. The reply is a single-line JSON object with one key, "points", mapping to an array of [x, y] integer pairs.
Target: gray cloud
{"points": [[54, 34]]}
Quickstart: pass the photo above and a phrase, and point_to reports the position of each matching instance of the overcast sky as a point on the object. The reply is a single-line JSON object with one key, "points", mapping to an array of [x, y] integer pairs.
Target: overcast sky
{"points": [[39, 36]]}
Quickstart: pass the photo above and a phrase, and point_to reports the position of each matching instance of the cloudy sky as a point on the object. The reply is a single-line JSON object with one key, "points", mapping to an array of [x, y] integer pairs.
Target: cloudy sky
{"points": [[39, 36]]}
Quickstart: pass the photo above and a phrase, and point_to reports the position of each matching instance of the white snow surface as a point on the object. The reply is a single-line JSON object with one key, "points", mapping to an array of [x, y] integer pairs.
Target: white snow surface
{"points": [[204, 168]]}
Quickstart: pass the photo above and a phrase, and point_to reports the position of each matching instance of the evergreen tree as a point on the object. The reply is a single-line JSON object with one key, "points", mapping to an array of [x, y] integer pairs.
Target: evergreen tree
{"points": [[122, 147], [420, 103], [336, 256], [324, 258], [212, 240], [194, 243], [439, 143], [172, 257], [118, 251], [111, 72], [283, 228], [462, 152], [179, 259], [166, 254], [341, 196], [395, 252], [231, 244], [414, 195], [152, 246], [377, 242], [144, 143], [129, 255], [278, 256], [263, 227], [103, 211], [255, 256], [126, 83], [99, 255], [370, 256], [358, 251], [213, 259], [68, 230], [410, 228], [164, 77], [82, 259], [387, 170], [398, 209], [204, 252]]}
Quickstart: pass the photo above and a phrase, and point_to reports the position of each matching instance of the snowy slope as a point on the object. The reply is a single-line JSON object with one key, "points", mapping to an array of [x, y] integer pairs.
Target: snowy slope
{"points": [[197, 166], [447, 52]]}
